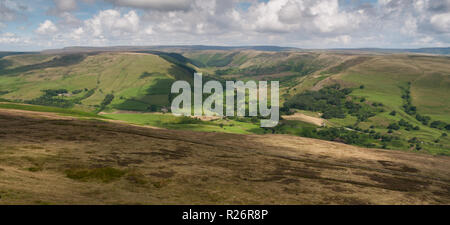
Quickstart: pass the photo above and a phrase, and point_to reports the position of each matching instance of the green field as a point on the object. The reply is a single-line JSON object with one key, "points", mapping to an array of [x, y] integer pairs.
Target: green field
{"points": [[185, 123], [38, 108]]}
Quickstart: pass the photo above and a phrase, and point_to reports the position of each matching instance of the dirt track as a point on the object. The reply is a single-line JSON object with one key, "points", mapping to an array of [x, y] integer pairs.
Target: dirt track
{"points": [[308, 119], [167, 167]]}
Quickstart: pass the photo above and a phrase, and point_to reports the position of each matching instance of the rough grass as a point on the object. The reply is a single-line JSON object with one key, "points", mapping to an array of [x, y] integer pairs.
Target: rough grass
{"points": [[123, 164], [106, 174], [37, 108]]}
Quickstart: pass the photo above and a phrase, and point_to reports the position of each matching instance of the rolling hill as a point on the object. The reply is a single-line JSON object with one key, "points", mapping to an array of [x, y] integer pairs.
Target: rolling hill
{"points": [[392, 101], [136, 80], [387, 88], [90, 124]]}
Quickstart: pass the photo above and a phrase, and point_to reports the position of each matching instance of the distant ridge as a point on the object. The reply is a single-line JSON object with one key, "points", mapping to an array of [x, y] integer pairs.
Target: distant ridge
{"points": [[3, 54], [174, 48], [183, 48], [436, 51]]}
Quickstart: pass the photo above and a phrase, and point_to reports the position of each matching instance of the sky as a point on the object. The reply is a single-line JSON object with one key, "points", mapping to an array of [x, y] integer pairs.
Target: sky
{"points": [[316, 24]]}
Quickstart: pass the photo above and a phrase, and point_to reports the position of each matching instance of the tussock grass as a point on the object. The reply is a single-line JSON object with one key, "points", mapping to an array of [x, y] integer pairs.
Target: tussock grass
{"points": [[106, 174]]}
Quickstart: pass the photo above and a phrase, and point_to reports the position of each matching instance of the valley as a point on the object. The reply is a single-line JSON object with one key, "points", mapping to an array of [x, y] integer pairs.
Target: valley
{"points": [[374, 89], [93, 126]]}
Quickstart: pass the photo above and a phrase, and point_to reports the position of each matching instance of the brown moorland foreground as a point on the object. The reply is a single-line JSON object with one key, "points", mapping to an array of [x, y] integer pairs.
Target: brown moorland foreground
{"points": [[51, 159]]}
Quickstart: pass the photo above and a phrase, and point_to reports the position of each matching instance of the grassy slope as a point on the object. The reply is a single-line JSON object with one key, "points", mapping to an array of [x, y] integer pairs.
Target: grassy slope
{"points": [[38, 108], [94, 162], [172, 122], [14, 61], [296, 71], [383, 78], [118, 74]]}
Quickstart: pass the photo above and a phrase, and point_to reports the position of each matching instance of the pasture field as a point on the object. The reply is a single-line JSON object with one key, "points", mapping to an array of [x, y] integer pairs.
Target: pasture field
{"points": [[169, 121], [38, 108]]}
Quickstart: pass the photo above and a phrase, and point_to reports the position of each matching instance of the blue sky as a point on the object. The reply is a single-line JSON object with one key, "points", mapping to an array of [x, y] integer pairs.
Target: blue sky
{"points": [[46, 24]]}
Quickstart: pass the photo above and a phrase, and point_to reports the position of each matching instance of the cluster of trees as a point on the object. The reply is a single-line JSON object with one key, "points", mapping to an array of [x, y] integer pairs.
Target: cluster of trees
{"points": [[286, 111], [331, 102], [55, 92], [328, 100], [75, 92], [3, 92], [356, 136], [106, 101], [425, 120], [408, 107], [440, 125], [362, 112], [415, 142], [407, 126], [412, 110], [367, 138], [50, 99], [402, 123]]}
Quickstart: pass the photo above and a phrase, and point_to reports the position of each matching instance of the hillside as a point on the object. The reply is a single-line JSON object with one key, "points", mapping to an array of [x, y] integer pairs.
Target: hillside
{"points": [[133, 81], [368, 99], [402, 100], [47, 158]]}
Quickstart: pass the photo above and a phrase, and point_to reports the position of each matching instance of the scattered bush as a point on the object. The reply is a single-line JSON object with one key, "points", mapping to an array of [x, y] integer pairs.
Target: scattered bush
{"points": [[423, 119], [393, 126], [438, 125]]}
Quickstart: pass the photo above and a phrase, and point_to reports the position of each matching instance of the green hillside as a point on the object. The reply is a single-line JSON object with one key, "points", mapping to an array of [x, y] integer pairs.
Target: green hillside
{"points": [[387, 80], [378, 85], [127, 81], [392, 101]]}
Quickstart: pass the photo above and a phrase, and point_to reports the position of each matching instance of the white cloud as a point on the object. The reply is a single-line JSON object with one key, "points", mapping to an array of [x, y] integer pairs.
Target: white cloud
{"points": [[11, 38], [307, 16], [441, 22], [301, 23], [410, 26], [112, 23], [47, 28], [265, 17]]}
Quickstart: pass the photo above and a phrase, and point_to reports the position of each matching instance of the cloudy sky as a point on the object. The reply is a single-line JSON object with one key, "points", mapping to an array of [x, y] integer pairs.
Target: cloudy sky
{"points": [[45, 24]]}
